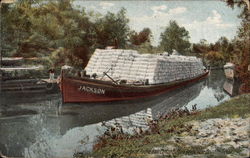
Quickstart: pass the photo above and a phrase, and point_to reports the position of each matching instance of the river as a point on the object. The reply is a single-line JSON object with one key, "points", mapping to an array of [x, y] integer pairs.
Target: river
{"points": [[39, 125]]}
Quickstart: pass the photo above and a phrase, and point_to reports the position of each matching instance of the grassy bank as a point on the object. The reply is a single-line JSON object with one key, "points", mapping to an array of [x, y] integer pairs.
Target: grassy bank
{"points": [[144, 144]]}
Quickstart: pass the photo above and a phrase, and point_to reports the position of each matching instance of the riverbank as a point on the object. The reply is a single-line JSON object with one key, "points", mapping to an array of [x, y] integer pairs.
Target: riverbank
{"points": [[221, 131]]}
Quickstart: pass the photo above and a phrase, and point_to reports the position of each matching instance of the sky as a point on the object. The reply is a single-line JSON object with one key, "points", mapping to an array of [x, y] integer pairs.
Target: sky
{"points": [[203, 19]]}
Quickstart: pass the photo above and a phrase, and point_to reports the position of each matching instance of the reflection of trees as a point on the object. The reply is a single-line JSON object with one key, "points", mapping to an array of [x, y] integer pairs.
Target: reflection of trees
{"points": [[19, 127], [216, 79], [215, 82], [17, 133], [177, 99]]}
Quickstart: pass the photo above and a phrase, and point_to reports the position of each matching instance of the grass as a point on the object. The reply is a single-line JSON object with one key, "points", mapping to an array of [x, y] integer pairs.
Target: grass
{"points": [[141, 146]]}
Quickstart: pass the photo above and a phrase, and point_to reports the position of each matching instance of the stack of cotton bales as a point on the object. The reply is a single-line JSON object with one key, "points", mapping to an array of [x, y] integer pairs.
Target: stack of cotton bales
{"points": [[132, 66]]}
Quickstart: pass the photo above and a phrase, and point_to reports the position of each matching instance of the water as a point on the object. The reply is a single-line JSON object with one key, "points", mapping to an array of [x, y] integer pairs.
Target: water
{"points": [[39, 125]]}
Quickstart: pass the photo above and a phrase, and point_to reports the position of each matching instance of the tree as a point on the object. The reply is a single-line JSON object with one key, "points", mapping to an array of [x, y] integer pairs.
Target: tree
{"points": [[225, 47], [175, 37], [243, 43], [201, 48], [112, 30], [37, 29], [215, 58], [141, 37], [14, 25]]}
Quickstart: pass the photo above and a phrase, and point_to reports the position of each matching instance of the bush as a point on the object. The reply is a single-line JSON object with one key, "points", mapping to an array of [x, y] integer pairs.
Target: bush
{"points": [[215, 58]]}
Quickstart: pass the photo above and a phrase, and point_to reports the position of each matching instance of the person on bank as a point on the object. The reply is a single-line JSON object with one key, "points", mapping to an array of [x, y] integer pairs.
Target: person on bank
{"points": [[51, 74]]}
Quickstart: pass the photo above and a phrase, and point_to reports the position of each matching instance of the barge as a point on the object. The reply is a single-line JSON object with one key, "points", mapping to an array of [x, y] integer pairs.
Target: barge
{"points": [[115, 75]]}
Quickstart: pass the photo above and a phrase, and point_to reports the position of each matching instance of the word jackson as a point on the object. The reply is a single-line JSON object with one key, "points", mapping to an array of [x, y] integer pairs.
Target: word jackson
{"points": [[91, 90]]}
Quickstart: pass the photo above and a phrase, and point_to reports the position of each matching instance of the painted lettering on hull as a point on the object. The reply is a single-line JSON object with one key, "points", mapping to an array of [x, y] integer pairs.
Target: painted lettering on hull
{"points": [[91, 90]]}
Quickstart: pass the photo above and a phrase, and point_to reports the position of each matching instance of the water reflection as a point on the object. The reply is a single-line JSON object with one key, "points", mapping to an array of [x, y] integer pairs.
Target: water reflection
{"points": [[48, 128], [212, 93], [231, 87], [159, 107], [67, 139]]}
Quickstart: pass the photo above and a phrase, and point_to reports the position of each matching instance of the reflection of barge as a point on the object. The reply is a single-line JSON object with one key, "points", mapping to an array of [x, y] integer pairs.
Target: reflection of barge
{"points": [[125, 75]]}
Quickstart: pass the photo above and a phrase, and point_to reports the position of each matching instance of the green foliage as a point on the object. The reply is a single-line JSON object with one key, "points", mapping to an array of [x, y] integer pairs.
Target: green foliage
{"points": [[226, 47], [141, 37], [35, 28], [218, 53], [175, 37], [201, 48], [215, 58], [142, 42], [242, 43], [147, 48], [112, 30]]}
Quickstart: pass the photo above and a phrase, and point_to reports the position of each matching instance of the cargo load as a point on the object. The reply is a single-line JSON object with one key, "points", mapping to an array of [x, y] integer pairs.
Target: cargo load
{"points": [[131, 66]]}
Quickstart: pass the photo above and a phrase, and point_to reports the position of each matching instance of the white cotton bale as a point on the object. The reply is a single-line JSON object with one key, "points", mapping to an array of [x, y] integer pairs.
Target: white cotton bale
{"points": [[134, 67], [130, 64]]}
